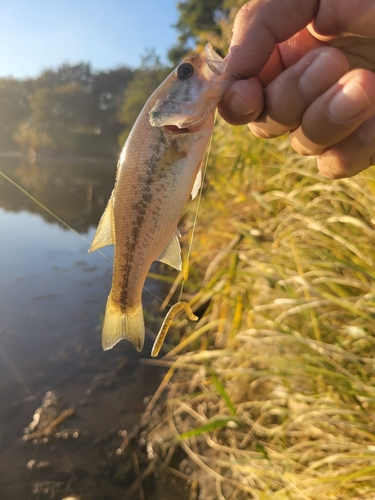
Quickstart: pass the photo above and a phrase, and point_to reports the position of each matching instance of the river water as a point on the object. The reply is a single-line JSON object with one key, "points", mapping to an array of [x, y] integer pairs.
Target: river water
{"points": [[52, 298]]}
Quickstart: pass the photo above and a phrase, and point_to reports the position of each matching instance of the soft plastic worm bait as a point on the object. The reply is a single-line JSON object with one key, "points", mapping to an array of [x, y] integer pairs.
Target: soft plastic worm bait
{"points": [[176, 308]]}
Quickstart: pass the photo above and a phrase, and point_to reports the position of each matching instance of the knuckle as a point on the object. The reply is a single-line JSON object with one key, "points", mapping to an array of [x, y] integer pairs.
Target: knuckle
{"points": [[244, 10], [262, 133]]}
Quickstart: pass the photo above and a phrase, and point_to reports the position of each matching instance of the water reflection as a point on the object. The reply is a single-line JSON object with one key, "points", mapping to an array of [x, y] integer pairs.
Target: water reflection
{"points": [[52, 296], [76, 192]]}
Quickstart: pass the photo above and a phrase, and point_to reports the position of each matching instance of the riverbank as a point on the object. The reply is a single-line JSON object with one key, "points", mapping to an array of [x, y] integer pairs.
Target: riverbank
{"points": [[60, 158], [272, 392]]}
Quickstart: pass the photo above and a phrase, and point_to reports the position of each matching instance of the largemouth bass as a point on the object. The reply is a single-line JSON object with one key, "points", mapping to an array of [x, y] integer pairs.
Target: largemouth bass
{"points": [[159, 167]]}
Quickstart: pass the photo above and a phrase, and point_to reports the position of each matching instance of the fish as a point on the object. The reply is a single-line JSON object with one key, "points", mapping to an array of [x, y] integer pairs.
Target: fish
{"points": [[159, 167]]}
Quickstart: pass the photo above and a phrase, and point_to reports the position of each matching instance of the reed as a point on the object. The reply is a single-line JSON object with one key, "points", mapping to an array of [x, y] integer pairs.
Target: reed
{"points": [[273, 391]]}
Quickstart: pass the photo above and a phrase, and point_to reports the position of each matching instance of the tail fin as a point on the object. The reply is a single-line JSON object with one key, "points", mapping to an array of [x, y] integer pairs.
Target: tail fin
{"points": [[118, 325]]}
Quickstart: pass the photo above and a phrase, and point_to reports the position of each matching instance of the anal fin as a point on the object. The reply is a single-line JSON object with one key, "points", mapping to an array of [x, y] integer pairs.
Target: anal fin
{"points": [[171, 254], [105, 232]]}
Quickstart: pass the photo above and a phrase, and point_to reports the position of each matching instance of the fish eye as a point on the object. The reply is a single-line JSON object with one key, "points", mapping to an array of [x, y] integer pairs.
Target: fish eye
{"points": [[185, 71]]}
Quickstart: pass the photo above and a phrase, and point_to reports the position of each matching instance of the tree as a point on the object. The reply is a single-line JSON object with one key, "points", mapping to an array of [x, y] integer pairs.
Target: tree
{"points": [[66, 74], [72, 109], [13, 109], [79, 109], [196, 17], [108, 88], [146, 79], [201, 22], [31, 139], [63, 112], [67, 105]]}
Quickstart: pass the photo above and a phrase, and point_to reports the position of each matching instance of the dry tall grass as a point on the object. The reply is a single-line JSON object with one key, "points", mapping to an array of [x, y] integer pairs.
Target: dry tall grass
{"points": [[274, 388]]}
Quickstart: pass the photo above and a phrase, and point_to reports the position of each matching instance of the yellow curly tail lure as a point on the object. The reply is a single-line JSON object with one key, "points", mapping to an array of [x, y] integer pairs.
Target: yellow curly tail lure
{"points": [[176, 308]]}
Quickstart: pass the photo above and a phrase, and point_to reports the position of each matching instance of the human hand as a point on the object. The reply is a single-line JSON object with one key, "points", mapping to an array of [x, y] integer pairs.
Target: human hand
{"points": [[315, 61]]}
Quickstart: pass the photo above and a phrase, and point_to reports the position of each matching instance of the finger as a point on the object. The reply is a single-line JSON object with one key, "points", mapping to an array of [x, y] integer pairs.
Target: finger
{"points": [[336, 114], [259, 26], [352, 155], [356, 18], [293, 49], [242, 103], [291, 93]]}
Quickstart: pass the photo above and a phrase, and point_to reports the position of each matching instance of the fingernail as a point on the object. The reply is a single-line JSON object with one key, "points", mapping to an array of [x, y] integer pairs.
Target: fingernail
{"points": [[321, 73], [366, 131], [348, 102], [240, 107]]}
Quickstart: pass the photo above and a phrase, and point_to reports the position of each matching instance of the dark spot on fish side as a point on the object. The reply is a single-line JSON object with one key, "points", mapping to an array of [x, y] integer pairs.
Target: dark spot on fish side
{"points": [[166, 155]]}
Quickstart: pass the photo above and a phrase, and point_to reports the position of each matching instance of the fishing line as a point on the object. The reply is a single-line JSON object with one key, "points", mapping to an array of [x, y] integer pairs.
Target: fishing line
{"points": [[184, 278], [64, 223], [182, 304], [50, 212], [14, 370]]}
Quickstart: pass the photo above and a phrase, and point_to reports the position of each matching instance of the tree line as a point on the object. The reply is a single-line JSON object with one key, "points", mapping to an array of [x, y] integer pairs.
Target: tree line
{"points": [[75, 110]]}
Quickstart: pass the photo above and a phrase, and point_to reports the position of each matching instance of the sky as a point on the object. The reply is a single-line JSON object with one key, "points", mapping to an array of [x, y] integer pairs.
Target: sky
{"points": [[40, 34]]}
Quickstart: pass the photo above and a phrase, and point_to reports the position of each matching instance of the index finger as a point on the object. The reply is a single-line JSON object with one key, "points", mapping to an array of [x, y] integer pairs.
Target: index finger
{"points": [[259, 26]]}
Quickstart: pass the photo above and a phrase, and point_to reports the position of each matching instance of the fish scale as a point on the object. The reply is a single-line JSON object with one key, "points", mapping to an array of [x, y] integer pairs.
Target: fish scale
{"points": [[158, 170]]}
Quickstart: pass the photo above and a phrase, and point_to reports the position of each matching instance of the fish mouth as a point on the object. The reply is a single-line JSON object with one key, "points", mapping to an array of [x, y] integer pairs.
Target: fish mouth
{"points": [[177, 118], [188, 127], [175, 130]]}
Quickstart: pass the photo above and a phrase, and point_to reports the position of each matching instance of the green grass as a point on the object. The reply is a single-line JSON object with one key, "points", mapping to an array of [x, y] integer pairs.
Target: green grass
{"points": [[274, 389]]}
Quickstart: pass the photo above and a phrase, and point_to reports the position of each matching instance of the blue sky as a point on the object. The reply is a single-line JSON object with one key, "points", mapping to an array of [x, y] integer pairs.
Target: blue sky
{"points": [[39, 34]]}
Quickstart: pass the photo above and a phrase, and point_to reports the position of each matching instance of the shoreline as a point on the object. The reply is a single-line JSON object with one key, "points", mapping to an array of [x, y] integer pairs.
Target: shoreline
{"points": [[273, 390], [66, 158]]}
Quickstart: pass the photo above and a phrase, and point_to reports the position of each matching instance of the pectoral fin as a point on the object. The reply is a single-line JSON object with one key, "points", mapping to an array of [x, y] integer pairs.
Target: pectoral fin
{"points": [[171, 254], [105, 232]]}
